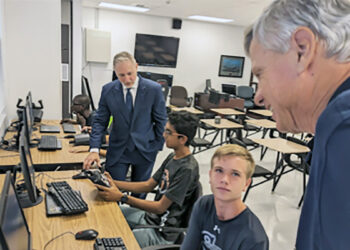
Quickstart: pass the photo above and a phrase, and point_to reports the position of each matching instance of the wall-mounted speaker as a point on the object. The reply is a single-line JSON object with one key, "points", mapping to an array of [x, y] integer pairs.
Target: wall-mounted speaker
{"points": [[177, 23]]}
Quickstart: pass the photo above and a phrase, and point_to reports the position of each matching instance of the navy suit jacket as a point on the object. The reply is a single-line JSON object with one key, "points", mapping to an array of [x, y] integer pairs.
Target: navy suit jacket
{"points": [[145, 127]]}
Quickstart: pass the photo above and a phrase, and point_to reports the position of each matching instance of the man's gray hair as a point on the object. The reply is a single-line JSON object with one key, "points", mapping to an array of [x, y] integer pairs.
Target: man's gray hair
{"points": [[329, 20], [122, 57]]}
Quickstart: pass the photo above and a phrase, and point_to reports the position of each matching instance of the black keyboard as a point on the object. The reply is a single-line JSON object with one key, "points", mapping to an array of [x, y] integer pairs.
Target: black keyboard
{"points": [[109, 244], [68, 128], [49, 142], [67, 200], [49, 129]]}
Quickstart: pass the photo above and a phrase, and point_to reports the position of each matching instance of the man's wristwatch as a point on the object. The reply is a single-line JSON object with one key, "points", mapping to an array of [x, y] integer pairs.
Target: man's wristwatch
{"points": [[124, 199]]}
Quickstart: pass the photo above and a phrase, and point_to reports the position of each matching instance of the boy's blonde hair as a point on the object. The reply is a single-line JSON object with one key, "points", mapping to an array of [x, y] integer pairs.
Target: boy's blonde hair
{"points": [[235, 150]]}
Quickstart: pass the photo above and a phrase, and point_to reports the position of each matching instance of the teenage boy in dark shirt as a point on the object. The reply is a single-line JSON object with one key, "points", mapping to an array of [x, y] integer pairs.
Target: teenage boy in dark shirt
{"points": [[222, 220], [177, 179]]}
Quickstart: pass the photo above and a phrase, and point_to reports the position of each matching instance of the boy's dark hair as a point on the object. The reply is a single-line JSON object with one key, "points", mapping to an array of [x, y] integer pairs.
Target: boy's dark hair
{"points": [[184, 123], [83, 100]]}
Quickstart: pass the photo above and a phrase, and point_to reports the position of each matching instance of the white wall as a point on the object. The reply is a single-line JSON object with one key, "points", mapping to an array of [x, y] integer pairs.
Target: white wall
{"points": [[33, 54], [200, 48], [3, 114]]}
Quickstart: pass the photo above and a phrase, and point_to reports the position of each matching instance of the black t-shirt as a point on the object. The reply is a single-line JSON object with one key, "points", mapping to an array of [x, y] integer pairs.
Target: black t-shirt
{"points": [[177, 180], [206, 231]]}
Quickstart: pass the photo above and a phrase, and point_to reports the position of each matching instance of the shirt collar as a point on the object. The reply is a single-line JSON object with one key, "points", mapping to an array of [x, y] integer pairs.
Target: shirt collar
{"points": [[136, 84], [345, 85]]}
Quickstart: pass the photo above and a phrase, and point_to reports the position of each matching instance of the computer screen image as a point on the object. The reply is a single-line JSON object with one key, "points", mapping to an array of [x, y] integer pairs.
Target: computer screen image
{"points": [[27, 191], [14, 231]]}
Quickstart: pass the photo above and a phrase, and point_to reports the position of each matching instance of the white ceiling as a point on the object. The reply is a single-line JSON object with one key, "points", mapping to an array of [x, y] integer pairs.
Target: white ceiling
{"points": [[243, 12]]}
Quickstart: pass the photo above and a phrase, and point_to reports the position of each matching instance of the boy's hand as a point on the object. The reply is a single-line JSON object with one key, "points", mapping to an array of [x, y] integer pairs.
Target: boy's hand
{"points": [[109, 193]]}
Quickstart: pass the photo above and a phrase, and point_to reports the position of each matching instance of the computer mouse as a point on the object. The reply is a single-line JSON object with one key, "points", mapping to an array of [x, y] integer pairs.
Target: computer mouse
{"points": [[69, 137], [82, 175], [89, 234]]}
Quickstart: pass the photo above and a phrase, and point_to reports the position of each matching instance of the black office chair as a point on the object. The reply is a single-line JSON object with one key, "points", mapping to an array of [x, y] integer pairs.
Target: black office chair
{"points": [[182, 229], [179, 97], [247, 93]]}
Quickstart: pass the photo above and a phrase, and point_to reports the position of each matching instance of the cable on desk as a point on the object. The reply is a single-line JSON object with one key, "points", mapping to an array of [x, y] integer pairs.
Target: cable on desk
{"points": [[53, 178], [56, 237]]}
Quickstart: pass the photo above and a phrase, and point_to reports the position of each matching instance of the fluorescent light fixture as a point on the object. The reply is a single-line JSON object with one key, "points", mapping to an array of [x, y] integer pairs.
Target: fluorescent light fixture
{"points": [[210, 19], [123, 7]]}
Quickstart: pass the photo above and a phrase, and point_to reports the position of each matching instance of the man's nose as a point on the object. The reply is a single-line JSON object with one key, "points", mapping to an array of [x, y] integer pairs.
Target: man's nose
{"points": [[258, 98]]}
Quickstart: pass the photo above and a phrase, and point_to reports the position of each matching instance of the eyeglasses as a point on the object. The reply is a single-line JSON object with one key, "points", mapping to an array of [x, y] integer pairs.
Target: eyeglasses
{"points": [[169, 132], [76, 104]]}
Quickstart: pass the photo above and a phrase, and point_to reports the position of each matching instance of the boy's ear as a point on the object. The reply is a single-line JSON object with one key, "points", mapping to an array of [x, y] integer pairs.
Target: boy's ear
{"points": [[249, 180]]}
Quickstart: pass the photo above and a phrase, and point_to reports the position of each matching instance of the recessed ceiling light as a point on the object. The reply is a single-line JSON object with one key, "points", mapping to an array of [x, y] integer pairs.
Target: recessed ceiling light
{"points": [[123, 7], [210, 19]]}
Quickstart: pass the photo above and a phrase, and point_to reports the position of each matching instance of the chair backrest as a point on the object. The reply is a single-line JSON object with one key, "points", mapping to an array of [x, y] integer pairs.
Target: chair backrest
{"points": [[245, 92], [198, 192], [178, 96]]}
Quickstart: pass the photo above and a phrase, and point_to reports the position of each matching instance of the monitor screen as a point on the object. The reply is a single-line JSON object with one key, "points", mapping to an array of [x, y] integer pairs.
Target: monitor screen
{"points": [[228, 88], [158, 51], [160, 78], [27, 193], [15, 233], [85, 90]]}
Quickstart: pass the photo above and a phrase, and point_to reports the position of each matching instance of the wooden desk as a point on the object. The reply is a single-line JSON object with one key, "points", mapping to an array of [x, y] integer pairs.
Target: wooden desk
{"points": [[264, 123], [188, 109], [262, 112], [104, 217], [227, 111], [224, 123], [53, 158], [283, 146]]}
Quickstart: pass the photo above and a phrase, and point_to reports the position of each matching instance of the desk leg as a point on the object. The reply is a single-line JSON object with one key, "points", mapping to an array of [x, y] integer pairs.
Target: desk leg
{"points": [[304, 182], [276, 177]]}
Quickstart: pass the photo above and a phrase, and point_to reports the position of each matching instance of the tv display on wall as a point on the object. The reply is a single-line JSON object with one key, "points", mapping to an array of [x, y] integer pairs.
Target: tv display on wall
{"points": [[157, 51]]}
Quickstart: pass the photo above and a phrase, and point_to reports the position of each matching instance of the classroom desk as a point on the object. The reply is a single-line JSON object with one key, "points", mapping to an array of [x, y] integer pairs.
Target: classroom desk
{"points": [[283, 146], [104, 217], [265, 124], [224, 124], [262, 112], [227, 111], [188, 109], [47, 160]]}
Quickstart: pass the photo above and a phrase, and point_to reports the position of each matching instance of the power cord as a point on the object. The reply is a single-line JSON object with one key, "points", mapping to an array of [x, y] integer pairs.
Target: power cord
{"points": [[53, 178], [56, 237]]}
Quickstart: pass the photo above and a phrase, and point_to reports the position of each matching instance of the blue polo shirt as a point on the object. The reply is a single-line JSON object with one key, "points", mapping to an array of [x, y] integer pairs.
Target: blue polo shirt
{"points": [[325, 218]]}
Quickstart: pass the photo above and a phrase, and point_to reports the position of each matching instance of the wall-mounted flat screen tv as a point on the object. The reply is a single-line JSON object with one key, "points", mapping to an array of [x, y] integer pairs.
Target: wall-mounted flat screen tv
{"points": [[157, 51]]}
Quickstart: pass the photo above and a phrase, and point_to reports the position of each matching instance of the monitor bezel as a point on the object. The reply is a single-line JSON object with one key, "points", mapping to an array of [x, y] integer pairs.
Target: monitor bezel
{"points": [[3, 202]]}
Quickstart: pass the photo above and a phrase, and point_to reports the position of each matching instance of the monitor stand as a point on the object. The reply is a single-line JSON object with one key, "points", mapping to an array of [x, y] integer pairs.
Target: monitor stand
{"points": [[23, 197], [22, 192]]}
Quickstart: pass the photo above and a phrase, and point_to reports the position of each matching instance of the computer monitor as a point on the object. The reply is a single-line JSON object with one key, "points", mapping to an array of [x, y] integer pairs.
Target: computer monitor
{"points": [[29, 104], [27, 192], [85, 90], [14, 230], [228, 88]]}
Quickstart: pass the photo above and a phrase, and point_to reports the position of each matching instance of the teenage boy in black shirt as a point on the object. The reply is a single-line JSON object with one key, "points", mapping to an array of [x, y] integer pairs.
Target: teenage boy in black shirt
{"points": [[177, 179]]}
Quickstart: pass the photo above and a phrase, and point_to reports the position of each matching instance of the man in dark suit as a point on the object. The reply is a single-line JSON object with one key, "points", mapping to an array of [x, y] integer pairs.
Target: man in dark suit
{"points": [[139, 117]]}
